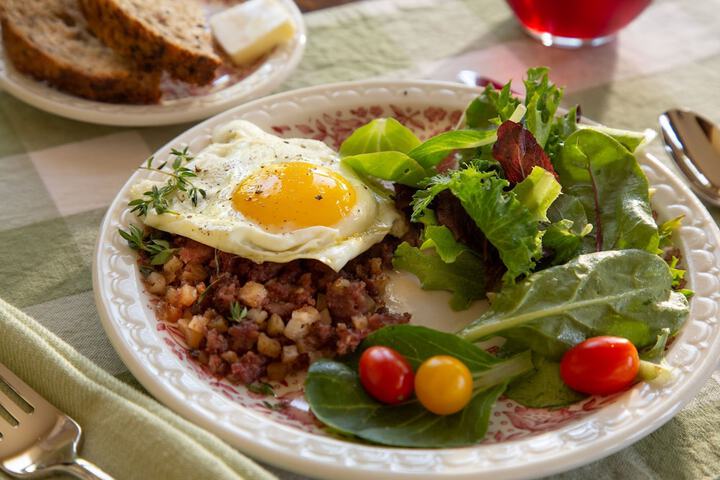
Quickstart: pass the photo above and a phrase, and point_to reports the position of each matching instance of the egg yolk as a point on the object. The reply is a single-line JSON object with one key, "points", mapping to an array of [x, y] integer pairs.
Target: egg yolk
{"points": [[287, 196]]}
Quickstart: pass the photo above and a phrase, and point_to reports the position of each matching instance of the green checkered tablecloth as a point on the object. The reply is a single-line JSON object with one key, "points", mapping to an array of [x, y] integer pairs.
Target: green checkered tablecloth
{"points": [[57, 176]]}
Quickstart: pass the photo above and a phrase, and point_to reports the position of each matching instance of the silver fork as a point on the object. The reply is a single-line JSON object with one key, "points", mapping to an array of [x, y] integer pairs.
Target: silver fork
{"points": [[43, 441]]}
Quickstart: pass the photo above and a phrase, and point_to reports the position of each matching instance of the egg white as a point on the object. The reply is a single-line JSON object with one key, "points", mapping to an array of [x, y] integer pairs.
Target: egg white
{"points": [[240, 148]]}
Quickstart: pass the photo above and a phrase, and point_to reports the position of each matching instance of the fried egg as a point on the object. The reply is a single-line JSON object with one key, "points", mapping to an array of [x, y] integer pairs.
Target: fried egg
{"points": [[277, 200]]}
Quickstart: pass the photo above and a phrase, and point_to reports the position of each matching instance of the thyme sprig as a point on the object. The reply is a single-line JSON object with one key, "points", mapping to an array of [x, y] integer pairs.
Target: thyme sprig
{"points": [[159, 250], [157, 197], [237, 313]]}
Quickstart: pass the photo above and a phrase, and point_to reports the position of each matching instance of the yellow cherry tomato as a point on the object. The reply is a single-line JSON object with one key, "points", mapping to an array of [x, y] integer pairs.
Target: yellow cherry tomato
{"points": [[443, 384]]}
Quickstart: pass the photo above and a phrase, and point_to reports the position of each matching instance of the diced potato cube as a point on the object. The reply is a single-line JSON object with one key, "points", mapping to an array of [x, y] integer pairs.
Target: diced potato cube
{"points": [[268, 346]]}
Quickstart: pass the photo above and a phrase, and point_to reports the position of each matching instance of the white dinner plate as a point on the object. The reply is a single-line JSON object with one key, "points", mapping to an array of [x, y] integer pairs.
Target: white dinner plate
{"points": [[180, 102], [521, 442]]}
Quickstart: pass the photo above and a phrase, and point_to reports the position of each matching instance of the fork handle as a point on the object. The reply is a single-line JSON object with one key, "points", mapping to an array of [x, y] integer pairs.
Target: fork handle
{"points": [[85, 470]]}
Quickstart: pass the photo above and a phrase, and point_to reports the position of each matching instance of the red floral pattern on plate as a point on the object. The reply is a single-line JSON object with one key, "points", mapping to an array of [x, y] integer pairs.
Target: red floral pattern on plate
{"points": [[508, 421]]}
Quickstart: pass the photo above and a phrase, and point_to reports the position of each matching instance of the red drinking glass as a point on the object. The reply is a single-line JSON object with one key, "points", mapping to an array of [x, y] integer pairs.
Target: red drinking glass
{"points": [[576, 23]]}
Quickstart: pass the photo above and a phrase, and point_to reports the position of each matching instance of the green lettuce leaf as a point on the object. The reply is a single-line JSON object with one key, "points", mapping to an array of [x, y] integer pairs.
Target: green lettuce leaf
{"points": [[434, 150], [491, 107], [507, 224], [442, 240], [612, 188], [336, 396], [542, 99], [625, 293], [464, 277], [537, 192], [568, 234], [380, 135], [391, 166]]}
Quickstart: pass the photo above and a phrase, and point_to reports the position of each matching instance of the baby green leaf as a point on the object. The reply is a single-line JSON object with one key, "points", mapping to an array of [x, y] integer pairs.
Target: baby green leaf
{"points": [[543, 387], [464, 277], [612, 188], [626, 293], [380, 135], [537, 192], [391, 166], [434, 150], [337, 398]]}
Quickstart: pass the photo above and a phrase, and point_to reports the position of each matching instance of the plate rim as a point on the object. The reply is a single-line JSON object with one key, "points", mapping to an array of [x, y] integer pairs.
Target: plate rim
{"points": [[200, 107], [551, 463]]}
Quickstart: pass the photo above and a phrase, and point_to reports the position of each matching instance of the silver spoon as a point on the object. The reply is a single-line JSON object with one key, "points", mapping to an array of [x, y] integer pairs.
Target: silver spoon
{"points": [[693, 142]]}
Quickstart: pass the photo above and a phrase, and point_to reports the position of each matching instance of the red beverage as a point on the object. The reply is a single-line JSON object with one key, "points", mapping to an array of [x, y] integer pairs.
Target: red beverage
{"points": [[576, 22]]}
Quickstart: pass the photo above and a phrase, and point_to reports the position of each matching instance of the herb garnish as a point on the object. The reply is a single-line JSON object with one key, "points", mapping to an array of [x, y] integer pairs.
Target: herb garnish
{"points": [[261, 388], [236, 313], [159, 250], [157, 198]]}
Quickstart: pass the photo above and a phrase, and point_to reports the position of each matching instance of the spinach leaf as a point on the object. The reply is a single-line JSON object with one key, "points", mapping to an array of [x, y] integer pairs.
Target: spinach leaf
{"points": [[543, 387], [380, 135], [435, 149], [537, 192], [612, 188], [337, 398], [542, 99], [626, 293], [464, 277], [392, 166]]}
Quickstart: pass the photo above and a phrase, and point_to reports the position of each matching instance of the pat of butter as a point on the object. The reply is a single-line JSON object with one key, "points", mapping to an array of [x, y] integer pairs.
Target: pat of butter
{"points": [[251, 29]]}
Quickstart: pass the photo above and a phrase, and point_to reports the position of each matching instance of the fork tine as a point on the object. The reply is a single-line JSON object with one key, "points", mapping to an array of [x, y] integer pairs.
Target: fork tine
{"points": [[12, 408], [23, 390]]}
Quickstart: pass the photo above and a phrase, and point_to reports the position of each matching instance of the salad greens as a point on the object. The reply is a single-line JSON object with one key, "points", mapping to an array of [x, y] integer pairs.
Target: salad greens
{"points": [[338, 399], [625, 293], [560, 210], [612, 188]]}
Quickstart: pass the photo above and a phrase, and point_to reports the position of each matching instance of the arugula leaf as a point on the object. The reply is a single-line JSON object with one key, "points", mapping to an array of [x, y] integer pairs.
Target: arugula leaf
{"points": [[608, 181], [626, 293], [392, 166], [380, 135], [537, 192], [543, 387], [434, 150], [464, 277], [491, 107], [337, 398], [542, 99]]}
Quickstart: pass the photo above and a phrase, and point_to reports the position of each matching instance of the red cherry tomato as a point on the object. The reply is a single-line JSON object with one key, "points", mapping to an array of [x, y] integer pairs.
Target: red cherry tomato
{"points": [[600, 365], [386, 375]]}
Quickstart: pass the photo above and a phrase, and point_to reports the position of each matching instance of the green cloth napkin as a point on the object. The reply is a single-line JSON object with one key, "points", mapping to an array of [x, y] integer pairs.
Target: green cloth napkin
{"points": [[126, 433]]}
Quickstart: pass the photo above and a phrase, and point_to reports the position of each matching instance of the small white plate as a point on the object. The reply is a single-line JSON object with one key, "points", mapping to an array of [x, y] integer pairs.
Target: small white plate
{"points": [[521, 442], [180, 102]]}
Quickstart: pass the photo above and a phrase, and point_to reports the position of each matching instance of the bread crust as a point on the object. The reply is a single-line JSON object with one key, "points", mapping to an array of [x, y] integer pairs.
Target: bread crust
{"points": [[133, 39], [133, 87]]}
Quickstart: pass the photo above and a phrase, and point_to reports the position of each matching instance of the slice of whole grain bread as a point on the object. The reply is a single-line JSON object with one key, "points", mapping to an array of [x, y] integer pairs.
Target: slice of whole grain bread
{"points": [[167, 34], [50, 40]]}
